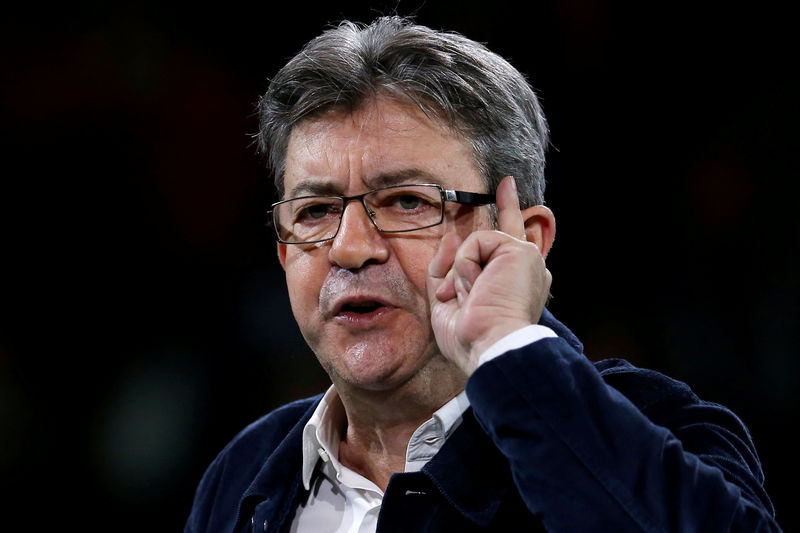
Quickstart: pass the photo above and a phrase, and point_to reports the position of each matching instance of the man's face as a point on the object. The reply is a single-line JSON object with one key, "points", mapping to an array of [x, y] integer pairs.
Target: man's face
{"points": [[360, 299]]}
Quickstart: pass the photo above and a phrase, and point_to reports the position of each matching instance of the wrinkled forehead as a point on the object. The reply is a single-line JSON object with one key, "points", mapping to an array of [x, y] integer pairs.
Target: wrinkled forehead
{"points": [[381, 137], [376, 120], [374, 108]]}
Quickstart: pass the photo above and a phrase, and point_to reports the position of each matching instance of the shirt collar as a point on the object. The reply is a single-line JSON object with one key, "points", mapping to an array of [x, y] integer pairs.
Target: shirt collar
{"points": [[429, 437], [322, 433]]}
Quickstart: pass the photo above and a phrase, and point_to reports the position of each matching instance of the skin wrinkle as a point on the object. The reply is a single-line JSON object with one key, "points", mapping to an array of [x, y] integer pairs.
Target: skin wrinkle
{"points": [[497, 113], [390, 374], [372, 108], [390, 284], [348, 152]]}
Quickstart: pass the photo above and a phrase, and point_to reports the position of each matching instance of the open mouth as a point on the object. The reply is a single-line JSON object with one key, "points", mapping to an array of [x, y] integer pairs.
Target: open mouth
{"points": [[360, 308]]}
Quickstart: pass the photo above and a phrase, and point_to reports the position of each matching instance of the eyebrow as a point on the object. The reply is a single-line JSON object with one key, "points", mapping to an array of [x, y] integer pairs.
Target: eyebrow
{"points": [[386, 179], [399, 177], [313, 187]]}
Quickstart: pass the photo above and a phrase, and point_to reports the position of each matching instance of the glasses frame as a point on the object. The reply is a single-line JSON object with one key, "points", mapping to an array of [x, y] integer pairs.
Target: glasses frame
{"points": [[447, 195]]}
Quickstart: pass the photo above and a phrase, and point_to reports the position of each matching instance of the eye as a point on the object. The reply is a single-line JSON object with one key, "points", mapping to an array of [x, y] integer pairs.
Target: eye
{"points": [[314, 211], [408, 201], [405, 201]]}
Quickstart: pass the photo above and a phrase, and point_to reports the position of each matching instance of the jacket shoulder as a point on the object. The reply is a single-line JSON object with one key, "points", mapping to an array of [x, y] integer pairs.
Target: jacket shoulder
{"points": [[711, 431], [644, 387], [262, 436], [231, 473]]}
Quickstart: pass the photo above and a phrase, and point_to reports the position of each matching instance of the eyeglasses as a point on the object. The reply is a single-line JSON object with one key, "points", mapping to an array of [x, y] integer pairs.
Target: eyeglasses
{"points": [[395, 209]]}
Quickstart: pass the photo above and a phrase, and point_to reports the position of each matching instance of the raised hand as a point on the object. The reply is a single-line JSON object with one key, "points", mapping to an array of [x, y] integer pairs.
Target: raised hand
{"points": [[491, 284]]}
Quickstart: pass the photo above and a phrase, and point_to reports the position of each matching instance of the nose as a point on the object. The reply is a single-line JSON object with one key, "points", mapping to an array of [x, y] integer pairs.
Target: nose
{"points": [[358, 241]]}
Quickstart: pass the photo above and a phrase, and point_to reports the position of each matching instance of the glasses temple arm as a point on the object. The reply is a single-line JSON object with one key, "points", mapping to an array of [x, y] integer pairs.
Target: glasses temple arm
{"points": [[470, 198]]}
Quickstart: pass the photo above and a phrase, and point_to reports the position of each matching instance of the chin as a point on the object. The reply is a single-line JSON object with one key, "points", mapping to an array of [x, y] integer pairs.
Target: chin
{"points": [[376, 368]]}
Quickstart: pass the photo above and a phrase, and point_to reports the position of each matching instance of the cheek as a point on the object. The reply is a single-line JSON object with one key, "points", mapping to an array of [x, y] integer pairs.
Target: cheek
{"points": [[414, 260], [304, 278]]}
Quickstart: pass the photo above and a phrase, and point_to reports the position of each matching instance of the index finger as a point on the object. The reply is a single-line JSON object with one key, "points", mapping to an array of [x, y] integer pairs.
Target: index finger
{"points": [[509, 216]]}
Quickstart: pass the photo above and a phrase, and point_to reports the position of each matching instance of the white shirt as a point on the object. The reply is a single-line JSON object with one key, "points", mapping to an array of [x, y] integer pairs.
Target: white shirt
{"points": [[343, 501]]}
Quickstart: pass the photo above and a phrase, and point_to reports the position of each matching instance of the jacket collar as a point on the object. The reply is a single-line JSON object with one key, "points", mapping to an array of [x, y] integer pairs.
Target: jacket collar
{"points": [[280, 473], [469, 470]]}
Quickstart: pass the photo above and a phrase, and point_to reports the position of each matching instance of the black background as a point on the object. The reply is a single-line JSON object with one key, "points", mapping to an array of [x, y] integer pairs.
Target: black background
{"points": [[144, 315]]}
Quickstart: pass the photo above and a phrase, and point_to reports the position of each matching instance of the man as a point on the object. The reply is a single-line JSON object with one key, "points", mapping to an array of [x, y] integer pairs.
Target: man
{"points": [[413, 234]]}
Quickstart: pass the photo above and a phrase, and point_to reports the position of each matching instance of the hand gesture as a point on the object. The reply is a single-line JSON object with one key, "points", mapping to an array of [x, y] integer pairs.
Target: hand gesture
{"points": [[491, 284]]}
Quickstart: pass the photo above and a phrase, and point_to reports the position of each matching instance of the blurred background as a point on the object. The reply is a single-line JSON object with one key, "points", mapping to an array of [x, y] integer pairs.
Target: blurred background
{"points": [[144, 315]]}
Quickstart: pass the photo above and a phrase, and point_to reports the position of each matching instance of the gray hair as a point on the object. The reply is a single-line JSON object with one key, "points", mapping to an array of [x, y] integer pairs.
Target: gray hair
{"points": [[460, 83]]}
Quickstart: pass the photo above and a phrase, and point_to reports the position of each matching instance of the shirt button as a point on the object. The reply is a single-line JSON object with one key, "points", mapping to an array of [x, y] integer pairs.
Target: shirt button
{"points": [[265, 525]]}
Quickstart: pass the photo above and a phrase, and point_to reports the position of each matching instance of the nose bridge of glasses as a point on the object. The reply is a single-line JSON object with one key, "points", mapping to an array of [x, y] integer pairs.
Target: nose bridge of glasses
{"points": [[358, 199]]}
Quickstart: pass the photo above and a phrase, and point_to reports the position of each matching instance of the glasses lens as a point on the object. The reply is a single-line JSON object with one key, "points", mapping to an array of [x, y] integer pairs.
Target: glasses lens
{"points": [[393, 209], [406, 207], [312, 218]]}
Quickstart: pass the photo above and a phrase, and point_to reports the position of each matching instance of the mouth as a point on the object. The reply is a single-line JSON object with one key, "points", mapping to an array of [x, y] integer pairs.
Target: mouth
{"points": [[360, 309]]}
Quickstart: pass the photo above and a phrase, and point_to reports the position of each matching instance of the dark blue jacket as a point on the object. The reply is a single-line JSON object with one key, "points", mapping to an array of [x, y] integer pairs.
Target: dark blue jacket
{"points": [[552, 442]]}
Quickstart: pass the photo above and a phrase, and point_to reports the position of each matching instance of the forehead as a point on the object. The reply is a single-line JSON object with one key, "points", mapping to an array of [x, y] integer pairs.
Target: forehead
{"points": [[383, 142]]}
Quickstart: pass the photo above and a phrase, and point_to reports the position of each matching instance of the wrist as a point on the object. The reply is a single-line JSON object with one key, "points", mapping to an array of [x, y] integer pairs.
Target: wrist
{"points": [[489, 340]]}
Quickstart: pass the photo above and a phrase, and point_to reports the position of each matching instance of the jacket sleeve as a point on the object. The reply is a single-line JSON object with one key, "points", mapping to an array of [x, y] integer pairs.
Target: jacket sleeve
{"points": [[643, 455]]}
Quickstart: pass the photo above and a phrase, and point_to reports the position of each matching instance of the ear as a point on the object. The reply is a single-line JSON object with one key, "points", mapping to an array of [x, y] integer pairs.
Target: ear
{"points": [[282, 255], [540, 227]]}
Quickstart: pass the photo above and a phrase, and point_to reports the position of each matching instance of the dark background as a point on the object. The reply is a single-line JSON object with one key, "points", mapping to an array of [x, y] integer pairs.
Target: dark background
{"points": [[144, 315]]}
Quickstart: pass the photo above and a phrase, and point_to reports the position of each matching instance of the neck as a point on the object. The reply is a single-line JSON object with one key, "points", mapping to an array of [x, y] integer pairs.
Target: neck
{"points": [[380, 423]]}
